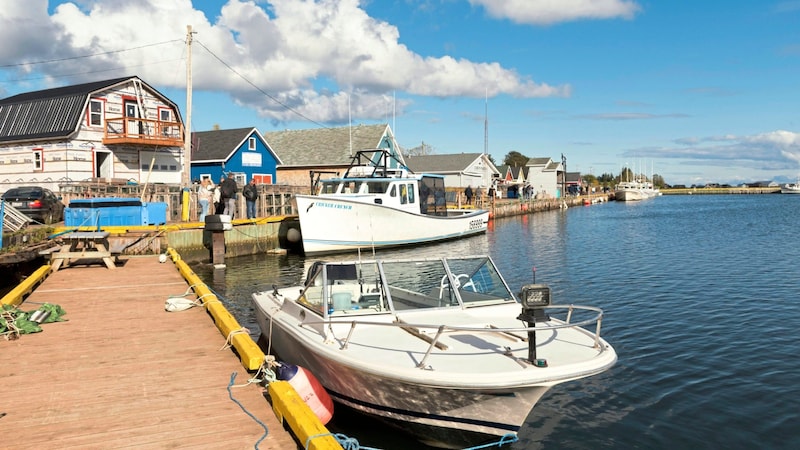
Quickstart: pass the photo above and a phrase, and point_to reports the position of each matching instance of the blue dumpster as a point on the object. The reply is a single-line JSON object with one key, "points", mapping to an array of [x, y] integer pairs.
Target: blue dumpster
{"points": [[114, 211]]}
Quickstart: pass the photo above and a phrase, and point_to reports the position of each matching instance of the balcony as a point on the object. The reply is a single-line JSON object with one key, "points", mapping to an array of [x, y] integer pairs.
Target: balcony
{"points": [[132, 130]]}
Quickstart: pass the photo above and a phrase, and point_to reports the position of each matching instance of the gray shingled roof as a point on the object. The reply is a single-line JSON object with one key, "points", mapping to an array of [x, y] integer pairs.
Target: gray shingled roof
{"points": [[217, 145], [538, 161], [51, 113], [441, 163], [324, 146]]}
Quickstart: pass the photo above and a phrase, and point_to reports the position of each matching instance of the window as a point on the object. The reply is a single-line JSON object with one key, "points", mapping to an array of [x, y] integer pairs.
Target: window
{"points": [[251, 143], [96, 113], [38, 159]]}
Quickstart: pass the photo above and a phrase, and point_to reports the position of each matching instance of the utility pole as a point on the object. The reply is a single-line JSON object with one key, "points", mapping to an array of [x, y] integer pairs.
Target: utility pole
{"points": [[187, 130], [186, 176]]}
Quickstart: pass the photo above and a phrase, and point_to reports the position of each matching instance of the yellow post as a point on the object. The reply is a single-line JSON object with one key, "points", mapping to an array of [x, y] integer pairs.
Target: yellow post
{"points": [[185, 200]]}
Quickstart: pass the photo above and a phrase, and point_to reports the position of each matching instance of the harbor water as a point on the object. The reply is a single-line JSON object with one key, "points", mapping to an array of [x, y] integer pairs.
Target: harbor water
{"points": [[702, 303]]}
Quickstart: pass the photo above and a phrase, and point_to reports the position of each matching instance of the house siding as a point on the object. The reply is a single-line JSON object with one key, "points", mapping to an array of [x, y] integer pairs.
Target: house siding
{"points": [[242, 161]]}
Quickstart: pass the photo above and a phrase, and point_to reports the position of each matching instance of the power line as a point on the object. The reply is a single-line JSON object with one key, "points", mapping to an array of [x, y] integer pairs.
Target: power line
{"points": [[48, 61], [67, 75], [258, 88]]}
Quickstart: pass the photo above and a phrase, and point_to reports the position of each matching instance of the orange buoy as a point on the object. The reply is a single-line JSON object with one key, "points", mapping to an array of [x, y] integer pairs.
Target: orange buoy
{"points": [[586, 202], [309, 389]]}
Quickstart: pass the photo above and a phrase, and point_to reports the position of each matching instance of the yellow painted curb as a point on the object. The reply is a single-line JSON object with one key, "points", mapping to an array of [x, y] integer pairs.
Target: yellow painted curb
{"points": [[249, 352], [289, 407], [16, 295]]}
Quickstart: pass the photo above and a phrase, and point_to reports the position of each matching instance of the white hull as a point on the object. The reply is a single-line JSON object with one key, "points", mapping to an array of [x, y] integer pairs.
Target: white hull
{"points": [[791, 188], [635, 192], [476, 387], [333, 224]]}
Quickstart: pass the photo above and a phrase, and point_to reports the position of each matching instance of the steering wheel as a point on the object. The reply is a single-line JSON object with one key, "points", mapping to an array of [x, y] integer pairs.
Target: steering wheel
{"points": [[458, 284]]}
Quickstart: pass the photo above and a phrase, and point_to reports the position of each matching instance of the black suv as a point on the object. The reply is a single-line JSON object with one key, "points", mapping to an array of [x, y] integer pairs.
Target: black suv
{"points": [[38, 203]]}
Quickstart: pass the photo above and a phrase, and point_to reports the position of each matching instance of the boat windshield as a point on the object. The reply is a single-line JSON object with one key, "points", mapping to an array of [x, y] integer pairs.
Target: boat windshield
{"points": [[444, 283]]}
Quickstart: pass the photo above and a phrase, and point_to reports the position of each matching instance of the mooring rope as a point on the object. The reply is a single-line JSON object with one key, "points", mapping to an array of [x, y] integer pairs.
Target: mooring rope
{"points": [[230, 395]]}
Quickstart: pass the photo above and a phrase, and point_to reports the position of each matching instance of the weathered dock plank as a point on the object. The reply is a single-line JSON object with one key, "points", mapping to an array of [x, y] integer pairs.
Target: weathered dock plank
{"points": [[122, 372]]}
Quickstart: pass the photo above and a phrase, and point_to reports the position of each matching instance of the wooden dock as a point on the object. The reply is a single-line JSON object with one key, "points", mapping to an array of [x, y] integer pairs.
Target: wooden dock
{"points": [[122, 372]]}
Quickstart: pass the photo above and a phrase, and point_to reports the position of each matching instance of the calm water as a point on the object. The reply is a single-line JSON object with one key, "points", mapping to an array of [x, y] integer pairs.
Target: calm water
{"points": [[701, 301]]}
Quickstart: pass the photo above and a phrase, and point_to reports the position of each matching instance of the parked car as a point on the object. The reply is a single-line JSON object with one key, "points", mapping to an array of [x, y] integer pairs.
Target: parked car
{"points": [[38, 203]]}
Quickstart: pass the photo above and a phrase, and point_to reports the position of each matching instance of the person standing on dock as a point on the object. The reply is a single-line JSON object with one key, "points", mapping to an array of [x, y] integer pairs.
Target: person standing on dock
{"points": [[228, 190], [205, 197], [468, 194], [250, 193]]}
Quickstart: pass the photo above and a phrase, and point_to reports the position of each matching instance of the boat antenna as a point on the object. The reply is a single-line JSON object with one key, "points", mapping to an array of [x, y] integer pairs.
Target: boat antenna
{"points": [[486, 125]]}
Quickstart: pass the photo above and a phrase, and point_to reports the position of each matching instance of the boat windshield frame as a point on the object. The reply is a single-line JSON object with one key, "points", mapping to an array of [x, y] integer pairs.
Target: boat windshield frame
{"points": [[336, 289]]}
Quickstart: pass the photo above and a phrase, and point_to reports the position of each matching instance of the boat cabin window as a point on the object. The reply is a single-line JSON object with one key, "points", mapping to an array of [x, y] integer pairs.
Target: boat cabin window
{"points": [[354, 288], [329, 187], [479, 280], [418, 285]]}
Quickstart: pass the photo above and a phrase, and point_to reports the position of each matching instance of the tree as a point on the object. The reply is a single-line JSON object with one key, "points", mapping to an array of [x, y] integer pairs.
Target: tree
{"points": [[514, 158], [420, 150]]}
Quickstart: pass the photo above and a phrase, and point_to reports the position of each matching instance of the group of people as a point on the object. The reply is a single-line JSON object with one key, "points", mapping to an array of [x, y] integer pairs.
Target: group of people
{"points": [[469, 194], [223, 197]]}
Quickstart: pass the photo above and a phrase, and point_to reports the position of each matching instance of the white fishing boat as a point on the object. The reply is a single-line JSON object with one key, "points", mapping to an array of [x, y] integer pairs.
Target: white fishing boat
{"points": [[380, 204], [791, 188], [627, 191], [439, 347]]}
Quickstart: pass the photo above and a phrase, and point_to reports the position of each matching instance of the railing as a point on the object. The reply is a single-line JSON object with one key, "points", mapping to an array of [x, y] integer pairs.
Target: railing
{"points": [[13, 220], [132, 130], [443, 329]]}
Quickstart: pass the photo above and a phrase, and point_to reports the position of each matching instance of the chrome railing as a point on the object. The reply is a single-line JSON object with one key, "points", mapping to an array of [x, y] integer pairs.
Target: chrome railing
{"points": [[441, 330]]}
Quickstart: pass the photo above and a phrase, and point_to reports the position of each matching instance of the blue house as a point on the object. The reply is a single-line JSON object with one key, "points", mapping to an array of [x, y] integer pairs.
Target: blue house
{"points": [[241, 151]]}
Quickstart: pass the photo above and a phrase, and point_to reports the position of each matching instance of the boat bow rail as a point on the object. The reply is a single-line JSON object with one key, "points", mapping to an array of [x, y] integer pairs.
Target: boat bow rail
{"points": [[433, 334]]}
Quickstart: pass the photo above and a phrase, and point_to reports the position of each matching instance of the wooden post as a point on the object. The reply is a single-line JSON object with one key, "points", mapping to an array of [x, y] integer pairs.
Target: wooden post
{"points": [[218, 248]]}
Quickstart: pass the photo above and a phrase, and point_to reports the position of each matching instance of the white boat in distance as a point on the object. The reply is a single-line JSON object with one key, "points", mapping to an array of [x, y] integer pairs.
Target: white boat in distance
{"points": [[439, 347], [628, 191], [791, 188], [375, 205]]}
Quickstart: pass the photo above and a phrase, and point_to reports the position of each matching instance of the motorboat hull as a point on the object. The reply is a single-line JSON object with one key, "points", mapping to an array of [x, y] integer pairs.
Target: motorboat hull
{"points": [[331, 224], [454, 417]]}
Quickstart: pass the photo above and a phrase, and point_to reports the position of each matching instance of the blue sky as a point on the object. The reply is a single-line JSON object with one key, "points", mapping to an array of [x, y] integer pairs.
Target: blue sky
{"points": [[697, 92]]}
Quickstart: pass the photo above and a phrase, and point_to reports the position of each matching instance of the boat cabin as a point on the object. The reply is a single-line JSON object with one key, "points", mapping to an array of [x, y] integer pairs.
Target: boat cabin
{"points": [[423, 194]]}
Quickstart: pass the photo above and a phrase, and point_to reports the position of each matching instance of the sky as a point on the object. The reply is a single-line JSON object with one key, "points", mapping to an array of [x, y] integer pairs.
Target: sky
{"points": [[694, 91]]}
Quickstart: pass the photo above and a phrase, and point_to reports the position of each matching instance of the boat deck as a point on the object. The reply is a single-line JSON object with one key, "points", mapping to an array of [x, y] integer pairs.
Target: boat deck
{"points": [[122, 372]]}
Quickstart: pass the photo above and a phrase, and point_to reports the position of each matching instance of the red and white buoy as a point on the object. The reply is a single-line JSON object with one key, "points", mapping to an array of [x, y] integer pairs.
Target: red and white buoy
{"points": [[308, 388]]}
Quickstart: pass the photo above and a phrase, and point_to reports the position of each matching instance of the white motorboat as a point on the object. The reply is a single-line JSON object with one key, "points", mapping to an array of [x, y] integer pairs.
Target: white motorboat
{"points": [[627, 191], [375, 205], [439, 347], [791, 188]]}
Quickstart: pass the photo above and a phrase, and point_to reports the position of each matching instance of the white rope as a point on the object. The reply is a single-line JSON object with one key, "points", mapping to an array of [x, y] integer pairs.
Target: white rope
{"points": [[229, 340]]}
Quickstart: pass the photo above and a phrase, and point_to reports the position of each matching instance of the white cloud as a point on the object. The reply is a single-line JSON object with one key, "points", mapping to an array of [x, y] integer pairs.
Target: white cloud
{"points": [[307, 54], [776, 150], [546, 12]]}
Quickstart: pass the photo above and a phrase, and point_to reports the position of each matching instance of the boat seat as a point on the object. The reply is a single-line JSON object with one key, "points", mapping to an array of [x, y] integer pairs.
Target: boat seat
{"points": [[342, 300]]}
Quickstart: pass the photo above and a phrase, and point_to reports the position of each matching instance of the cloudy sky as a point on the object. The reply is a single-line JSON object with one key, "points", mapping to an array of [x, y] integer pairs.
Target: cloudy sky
{"points": [[703, 91]]}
